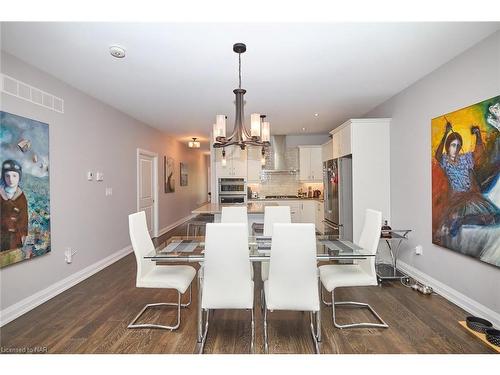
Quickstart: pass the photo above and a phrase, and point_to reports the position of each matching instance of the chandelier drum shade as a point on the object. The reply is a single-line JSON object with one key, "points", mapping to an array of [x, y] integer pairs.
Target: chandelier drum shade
{"points": [[260, 131]]}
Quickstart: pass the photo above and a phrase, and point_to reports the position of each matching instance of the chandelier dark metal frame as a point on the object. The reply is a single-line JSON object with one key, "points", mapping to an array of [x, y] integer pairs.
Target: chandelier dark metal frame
{"points": [[240, 135]]}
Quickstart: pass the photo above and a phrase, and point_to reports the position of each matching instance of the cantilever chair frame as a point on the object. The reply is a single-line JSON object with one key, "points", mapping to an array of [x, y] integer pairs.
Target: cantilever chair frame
{"points": [[159, 326]]}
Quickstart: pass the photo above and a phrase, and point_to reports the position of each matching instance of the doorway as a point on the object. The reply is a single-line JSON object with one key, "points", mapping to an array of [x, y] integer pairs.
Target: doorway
{"points": [[147, 188]]}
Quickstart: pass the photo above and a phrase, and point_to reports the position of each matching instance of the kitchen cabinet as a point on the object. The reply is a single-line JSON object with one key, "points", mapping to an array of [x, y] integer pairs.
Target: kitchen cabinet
{"points": [[310, 163], [367, 141], [301, 211], [319, 216], [254, 166], [341, 141], [236, 162], [327, 151], [307, 211]]}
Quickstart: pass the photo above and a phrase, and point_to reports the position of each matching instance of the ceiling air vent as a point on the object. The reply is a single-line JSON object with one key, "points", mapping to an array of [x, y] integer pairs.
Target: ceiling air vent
{"points": [[31, 94]]}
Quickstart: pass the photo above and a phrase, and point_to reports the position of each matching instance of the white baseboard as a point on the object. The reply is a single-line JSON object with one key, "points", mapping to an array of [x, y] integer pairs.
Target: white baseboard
{"points": [[177, 223], [459, 299], [22, 307]]}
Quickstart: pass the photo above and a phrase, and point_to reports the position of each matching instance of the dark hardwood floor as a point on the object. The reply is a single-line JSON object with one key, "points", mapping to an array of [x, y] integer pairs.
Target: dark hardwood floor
{"points": [[92, 317]]}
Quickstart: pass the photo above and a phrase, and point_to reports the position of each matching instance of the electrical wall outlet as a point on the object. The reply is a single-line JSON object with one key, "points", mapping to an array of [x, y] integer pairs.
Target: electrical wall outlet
{"points": [[419, 250], [68, 255]]}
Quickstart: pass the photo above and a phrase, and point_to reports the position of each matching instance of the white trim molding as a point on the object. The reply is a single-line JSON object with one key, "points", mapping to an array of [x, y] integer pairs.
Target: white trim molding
{"points": [[177, 223], [29, 303], [459, 299]]}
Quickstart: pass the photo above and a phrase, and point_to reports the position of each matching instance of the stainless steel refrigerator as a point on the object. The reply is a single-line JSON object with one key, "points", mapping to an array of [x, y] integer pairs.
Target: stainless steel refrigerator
{"points": [[337, 178]]}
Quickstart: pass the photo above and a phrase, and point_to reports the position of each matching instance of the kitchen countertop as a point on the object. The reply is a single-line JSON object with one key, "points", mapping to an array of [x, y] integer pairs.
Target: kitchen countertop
{"points": [[285, 199], [253, 207]]}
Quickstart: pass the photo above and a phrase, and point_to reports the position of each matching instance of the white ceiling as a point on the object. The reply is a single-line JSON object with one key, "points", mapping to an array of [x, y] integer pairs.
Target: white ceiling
{"points": [[178, 76]]}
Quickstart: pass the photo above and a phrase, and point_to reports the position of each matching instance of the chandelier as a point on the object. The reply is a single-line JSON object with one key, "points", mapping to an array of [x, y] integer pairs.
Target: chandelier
{"points": [[260, 130], [194, 143]]}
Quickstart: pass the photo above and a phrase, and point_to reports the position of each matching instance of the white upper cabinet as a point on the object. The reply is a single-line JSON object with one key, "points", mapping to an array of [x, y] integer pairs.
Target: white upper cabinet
{"points": [[341, 141], [327, 151], [254, 166], [316, 164], [345, 141], [236, 162], [310, 163], [304, 164]]}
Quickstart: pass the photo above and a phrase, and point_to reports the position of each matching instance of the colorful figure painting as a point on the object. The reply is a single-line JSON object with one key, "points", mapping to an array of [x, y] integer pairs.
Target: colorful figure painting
{"points": [[24, 189], [465, 181]]}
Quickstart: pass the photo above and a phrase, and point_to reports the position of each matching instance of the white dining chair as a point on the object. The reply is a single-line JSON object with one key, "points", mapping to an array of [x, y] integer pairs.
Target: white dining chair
{"points": [[234, 215], [227, 282], [149, 275], [360, 274], [273, 215], [293, 276]]}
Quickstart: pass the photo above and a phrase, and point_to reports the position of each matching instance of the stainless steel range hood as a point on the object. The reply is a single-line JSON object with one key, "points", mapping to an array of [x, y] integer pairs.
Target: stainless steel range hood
{"points": [[276, 159]]}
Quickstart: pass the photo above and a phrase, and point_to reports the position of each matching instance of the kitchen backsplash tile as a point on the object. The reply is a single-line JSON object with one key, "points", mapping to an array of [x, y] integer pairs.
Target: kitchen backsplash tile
{"points": [[282, 184]]}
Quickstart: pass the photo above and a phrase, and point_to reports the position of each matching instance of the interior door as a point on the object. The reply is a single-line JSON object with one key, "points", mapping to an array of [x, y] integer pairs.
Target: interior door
{"points": [[146, 191]]}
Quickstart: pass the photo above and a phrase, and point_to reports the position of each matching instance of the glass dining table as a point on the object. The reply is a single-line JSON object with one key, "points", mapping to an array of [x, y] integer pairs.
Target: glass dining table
{"points": [[187, 249]]}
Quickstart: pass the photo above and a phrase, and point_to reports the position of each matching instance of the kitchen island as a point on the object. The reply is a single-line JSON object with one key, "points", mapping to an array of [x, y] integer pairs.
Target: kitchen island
{"points": [[253, 208], [255, 211]]}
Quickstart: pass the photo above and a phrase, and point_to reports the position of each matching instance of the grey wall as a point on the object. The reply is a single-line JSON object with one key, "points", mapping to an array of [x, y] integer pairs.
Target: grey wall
{"points": [[93, 136], [469, 78]]}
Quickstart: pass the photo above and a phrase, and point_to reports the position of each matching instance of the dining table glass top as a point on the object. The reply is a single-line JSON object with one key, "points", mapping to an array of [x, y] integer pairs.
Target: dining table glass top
{"points": [[191, 249]]}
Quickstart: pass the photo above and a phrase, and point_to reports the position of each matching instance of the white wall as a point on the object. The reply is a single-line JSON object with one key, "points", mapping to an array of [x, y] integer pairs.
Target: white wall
{"points": [[91, 135], [306, 139], [469, 78]]}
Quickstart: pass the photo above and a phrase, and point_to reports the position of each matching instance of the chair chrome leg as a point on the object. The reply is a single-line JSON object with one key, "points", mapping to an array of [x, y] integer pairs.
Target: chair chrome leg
{"points": [[322, 296], [262, 300], [252, 342], [190, 297], [147, 325], [316, 336], [204, 336], [318, 325], [200, 312], [382, 324], [266, 345]]}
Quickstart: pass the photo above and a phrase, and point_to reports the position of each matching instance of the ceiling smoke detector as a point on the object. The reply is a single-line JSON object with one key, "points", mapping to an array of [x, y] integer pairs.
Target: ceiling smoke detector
{"points": [[117, 51]]}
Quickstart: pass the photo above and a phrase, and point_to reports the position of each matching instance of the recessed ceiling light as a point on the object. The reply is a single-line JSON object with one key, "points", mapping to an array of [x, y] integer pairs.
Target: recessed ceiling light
{"points": [[117, 51], [303, 129], [316, 114]]}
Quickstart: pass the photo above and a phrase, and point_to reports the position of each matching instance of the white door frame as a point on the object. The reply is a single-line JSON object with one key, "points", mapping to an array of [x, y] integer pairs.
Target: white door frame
{"points": [[154, 155]]}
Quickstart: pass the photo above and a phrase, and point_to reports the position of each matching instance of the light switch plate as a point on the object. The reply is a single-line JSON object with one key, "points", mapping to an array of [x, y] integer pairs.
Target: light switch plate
{"points": [[90, 176], [99, 176]]}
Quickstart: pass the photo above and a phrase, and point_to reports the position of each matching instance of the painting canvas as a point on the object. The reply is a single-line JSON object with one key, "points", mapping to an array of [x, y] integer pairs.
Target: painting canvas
{"points": [[465, 181], [169, 174], [184, 174], [24, 189]]}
